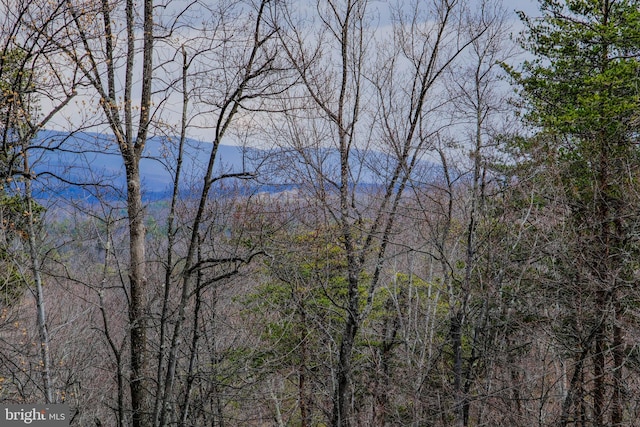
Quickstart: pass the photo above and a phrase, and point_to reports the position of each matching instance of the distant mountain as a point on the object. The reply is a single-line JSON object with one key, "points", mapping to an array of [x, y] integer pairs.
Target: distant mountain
{"points": [[74, 162], [83, 164]]}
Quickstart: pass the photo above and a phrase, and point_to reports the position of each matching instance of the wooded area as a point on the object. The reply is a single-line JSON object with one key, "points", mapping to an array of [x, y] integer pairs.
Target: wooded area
{"points": [[436, 221]]}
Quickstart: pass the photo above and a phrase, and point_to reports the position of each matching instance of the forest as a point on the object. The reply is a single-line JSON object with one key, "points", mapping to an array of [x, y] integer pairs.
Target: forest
{"points": [[432, 217]]}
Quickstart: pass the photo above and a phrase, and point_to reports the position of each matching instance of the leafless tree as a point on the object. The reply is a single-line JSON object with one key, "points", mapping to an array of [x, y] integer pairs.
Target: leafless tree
{"points": [[363, 90], [32, 92]]}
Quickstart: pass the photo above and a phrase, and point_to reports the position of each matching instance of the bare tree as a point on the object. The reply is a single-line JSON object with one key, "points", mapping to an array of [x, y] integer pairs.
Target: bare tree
{"points": [[32, 92], [480, 104], [363, 91], [95, 43], [244, 72]]}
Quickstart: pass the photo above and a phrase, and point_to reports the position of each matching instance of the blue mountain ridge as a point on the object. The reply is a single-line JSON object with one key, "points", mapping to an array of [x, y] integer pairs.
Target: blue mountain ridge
{"points": [[82, 164], [70, 163]]}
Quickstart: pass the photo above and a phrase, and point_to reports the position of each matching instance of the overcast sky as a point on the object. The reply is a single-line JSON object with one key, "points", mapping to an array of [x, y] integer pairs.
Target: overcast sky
{"points": [[530, 7]]}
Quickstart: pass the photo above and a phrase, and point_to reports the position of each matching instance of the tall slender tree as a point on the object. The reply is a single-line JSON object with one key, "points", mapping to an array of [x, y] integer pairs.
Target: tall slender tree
{"points": [[360, 92], [581, 94], [94, 46], [32, 92]]}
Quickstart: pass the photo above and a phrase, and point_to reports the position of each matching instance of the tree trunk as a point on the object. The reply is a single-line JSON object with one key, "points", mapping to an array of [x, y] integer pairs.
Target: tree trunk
{"points": [[599, 366], [138, 290], [456, 344], [340, 414], [41, 312], [618, 362]]}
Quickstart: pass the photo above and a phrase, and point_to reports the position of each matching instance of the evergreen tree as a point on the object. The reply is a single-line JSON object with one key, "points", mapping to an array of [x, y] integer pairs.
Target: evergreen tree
{"points": [[581, 94], [14, 90]]}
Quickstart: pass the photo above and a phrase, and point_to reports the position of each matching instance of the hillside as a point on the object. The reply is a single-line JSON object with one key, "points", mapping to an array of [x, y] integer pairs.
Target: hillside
{"points": [[75, 163], [70, 162]]}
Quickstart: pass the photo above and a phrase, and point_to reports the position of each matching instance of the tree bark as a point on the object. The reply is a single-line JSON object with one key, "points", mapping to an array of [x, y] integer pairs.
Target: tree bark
{"points": [[43, 331], [341, 410], [138, 284]]}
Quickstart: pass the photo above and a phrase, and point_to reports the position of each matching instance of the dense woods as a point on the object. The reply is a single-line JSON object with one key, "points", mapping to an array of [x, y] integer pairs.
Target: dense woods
{"points": [[434, 222]]}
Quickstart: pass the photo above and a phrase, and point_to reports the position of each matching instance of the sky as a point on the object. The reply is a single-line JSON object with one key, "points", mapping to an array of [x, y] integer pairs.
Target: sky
{"points": [[530, 7], [77, 109]]}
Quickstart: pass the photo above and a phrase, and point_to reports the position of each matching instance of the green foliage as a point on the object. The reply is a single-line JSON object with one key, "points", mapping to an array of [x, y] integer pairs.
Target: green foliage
{"points": [[581, 93], [14, 74], [584, 80], [154, 229], [405, 293], [12, 281], [15, 212], [17, 102], [14, 217]]}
